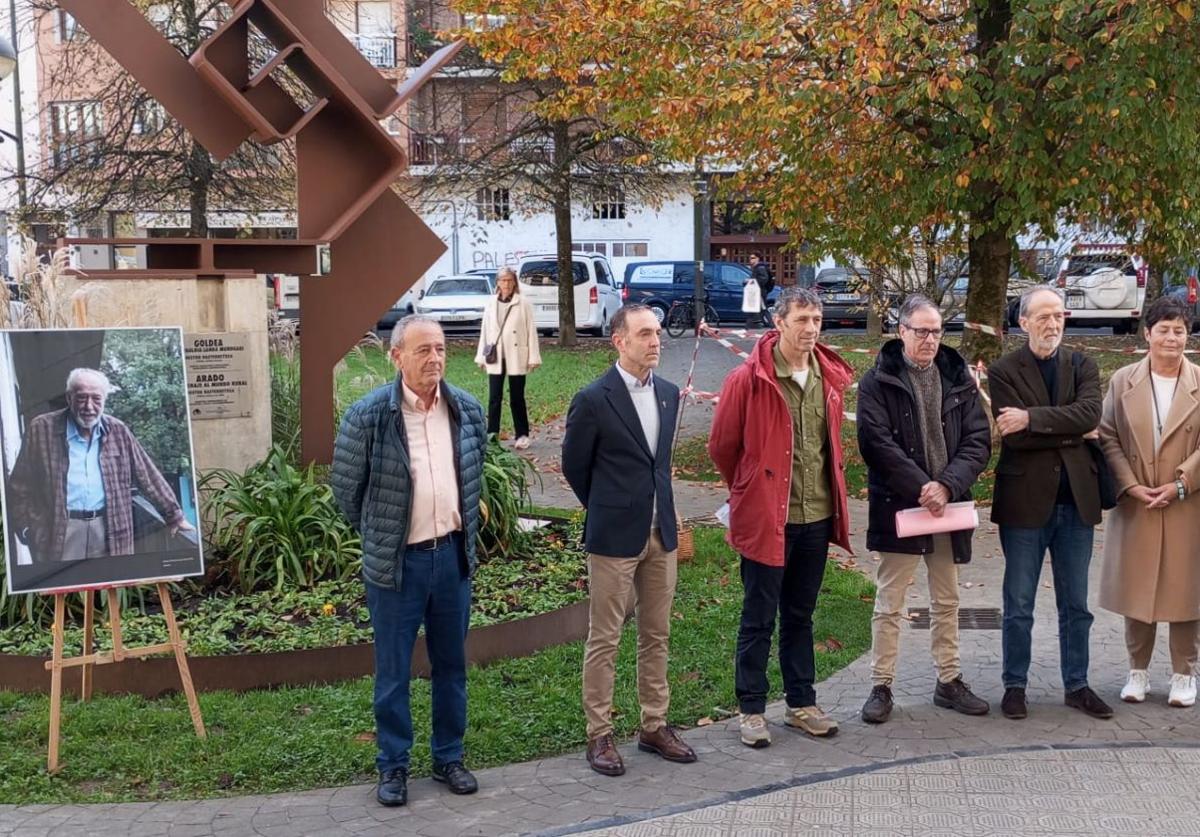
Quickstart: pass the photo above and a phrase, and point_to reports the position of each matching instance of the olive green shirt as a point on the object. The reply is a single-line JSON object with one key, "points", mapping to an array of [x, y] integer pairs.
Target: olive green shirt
{"points": [[811, 499]]}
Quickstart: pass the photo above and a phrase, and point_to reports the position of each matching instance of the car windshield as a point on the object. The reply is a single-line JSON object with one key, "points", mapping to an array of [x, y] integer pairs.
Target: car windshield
{"points": [[445, 287], [545, 273], [1088, 263]]}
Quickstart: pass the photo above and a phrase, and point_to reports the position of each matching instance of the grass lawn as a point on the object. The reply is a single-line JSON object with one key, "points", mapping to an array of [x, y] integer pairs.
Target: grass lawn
{"points": [[548, 390], [129, 748]]}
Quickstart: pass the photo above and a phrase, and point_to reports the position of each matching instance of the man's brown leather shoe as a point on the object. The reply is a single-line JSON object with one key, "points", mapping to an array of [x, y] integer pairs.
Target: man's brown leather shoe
{"points": [[602, 755], [667, 743]]}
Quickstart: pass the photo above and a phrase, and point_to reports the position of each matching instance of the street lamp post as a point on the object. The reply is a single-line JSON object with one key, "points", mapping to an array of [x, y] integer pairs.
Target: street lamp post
{"points": [[9, 65], [699, 205]]}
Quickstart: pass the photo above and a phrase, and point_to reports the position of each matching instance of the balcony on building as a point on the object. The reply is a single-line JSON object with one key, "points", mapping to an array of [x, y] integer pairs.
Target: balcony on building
{"points": [[380, 50]]}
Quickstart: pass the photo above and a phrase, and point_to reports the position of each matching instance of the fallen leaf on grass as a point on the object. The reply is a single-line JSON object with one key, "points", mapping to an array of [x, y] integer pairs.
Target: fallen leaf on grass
{"points": [[689, 677], [365, 737], [704, 722]]}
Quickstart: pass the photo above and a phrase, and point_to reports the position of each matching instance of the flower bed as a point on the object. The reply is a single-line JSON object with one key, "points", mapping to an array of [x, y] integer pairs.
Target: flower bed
{"points": [[330, 622]]}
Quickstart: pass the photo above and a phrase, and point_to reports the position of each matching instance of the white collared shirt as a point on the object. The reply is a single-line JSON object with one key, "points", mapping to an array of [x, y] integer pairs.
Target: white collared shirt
{"points": [[642, 394]]}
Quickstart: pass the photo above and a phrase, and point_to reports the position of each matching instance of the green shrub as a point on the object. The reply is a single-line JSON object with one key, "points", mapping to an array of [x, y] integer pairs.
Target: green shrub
{"points": [[276, 527], [506, 481]]}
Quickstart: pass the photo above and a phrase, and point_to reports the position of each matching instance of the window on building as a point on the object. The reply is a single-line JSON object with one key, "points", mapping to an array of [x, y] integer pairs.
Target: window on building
{"points": [[492, 204], [630, 249], [479, 23], [68, 28], [149, 117], [600, 247], [75, 129], [609, 206]]}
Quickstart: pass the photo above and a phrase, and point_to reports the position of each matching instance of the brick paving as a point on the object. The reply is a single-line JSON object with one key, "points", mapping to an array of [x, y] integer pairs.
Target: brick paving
{"points": [[928, 771]]}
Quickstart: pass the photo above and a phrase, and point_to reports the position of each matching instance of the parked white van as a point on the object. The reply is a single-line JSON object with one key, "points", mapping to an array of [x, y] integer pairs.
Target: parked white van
{"points": [[597, 297]]}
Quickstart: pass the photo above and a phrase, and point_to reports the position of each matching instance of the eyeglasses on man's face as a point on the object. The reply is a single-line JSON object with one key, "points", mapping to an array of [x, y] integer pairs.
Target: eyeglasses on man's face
{"points": [[926, 333]]}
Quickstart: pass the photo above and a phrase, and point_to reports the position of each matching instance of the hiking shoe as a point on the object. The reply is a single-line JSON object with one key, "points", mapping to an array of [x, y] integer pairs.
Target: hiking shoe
{"points": [[1183, 690], [754, 731], [878, 707], [1087, 701], [1137, 687], [958, 696], [1012, 705], [812, 719]]}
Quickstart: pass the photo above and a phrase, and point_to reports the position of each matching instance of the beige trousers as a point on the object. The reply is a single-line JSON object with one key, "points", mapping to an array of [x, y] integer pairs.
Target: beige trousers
{"points": [[1139, 639], [891, 580], [648, 580]]}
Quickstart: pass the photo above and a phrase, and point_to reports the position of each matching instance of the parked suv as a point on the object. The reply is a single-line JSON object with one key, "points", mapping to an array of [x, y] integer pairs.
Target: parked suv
{"points": [[658, 284], [1104, 285], [596, 296]]}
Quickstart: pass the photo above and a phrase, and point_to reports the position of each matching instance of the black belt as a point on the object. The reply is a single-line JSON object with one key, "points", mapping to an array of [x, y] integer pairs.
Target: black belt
{"points": [[432, 543], [85, 515]]}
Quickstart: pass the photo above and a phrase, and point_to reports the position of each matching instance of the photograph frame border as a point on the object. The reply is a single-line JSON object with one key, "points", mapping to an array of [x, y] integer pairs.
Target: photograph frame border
{"points": [[169, 577]]}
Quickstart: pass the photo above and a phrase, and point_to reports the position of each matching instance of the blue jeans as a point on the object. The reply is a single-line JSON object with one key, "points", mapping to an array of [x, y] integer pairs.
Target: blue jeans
{"points": [[1069, 540], [433, 591]]}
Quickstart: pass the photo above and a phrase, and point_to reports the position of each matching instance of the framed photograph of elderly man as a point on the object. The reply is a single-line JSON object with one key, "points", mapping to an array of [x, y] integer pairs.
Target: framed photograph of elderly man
{"points": [[96, 447]]}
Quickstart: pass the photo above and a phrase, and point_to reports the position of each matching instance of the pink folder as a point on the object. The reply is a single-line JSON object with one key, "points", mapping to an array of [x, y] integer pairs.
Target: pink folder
{"points": [[918, 521]]}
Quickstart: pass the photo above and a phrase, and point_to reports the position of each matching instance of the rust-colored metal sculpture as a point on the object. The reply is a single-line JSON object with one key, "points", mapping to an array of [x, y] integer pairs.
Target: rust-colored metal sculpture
{"points": [[346, 163]]}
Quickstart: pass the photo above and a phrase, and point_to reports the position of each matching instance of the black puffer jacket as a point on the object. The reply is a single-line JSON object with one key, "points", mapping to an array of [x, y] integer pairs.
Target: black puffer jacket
{"points": [[890, 440]]}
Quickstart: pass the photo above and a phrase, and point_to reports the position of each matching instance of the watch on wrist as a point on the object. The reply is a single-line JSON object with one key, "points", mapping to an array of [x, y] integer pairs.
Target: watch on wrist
{"points": [[1180, 489]]}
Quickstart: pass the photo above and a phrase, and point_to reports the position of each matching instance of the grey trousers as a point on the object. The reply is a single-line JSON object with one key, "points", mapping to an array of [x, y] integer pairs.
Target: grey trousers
{"points": [[85, 539]]}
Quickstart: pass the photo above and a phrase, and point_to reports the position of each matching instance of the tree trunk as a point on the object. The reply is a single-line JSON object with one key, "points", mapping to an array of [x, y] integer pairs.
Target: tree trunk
{"points": [[562, 233], [991, 254], [200, 175]]}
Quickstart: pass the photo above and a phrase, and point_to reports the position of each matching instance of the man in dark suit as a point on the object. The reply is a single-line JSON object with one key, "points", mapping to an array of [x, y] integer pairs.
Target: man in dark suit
{"points": [[1047, 403], [616, 455]]}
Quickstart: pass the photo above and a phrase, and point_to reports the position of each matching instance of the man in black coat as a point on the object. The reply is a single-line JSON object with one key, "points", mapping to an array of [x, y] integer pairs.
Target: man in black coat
{"points": [[925, 438], [1047, 403], [616, 455]]}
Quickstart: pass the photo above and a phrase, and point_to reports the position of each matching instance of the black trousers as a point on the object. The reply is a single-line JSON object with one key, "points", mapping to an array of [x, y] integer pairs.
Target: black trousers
{"points": [[516, 394], [792, 591]]}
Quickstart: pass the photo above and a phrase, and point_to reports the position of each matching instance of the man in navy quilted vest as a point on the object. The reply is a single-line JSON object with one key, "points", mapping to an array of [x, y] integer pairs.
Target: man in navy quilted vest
{"points": [[407, 470]]}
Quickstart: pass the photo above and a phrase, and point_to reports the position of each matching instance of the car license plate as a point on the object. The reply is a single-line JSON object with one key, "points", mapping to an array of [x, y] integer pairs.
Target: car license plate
{"points": [[1075, 300], [457, 318], [548, 307], [845, 297]]}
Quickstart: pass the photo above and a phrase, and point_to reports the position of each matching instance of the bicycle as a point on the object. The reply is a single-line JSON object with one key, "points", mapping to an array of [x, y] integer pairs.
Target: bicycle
{"points": [[682, 316]]}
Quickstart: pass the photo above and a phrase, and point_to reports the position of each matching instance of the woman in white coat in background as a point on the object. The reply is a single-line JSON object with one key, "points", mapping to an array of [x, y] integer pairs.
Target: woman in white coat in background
{"points": [[508, 348]]}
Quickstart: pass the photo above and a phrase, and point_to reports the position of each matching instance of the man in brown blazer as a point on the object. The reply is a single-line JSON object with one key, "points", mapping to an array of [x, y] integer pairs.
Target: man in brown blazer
{"points": [[1047, 406]]}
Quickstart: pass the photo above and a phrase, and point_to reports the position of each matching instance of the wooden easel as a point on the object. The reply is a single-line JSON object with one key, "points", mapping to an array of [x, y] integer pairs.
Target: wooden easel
{"points": [[88, 659]]}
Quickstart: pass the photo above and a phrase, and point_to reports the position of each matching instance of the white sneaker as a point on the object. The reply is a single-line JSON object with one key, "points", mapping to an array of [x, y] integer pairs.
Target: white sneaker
{"points": [[521, 443], [754, 731], [1137, 688], [1183, 690]]}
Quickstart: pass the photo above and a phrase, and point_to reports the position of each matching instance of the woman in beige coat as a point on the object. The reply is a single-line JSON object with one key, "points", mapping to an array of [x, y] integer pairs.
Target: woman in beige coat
{"points": [[508, 324], [1150, 431]]}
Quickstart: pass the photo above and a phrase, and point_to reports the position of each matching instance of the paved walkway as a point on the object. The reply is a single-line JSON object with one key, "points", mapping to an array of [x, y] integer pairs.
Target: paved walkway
{"points": [[928, 771]]}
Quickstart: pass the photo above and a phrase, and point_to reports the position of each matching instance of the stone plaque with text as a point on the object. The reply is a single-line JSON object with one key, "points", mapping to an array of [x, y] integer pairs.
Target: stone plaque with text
{"points": [[218, 371]]}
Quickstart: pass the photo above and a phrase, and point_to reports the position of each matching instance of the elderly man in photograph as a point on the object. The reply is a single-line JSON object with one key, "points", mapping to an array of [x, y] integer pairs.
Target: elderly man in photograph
{"points": [[72, 486], [407, 473]]}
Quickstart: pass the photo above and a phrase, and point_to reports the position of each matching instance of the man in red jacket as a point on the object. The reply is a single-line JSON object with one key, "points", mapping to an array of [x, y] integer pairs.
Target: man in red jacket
{"points": [[776, 439]]}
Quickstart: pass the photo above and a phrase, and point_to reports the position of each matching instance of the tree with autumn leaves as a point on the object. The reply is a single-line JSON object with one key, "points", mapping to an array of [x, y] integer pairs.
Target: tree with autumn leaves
{"points": [[859, 121]]}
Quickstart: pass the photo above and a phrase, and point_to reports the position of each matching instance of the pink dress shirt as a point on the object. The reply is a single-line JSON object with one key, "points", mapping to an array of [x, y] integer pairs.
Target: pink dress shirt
{"points": [[435, 508]]}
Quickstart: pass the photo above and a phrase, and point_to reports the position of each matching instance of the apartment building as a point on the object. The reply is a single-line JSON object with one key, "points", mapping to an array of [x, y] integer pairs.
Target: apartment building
{"points": [[485, 221]]}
